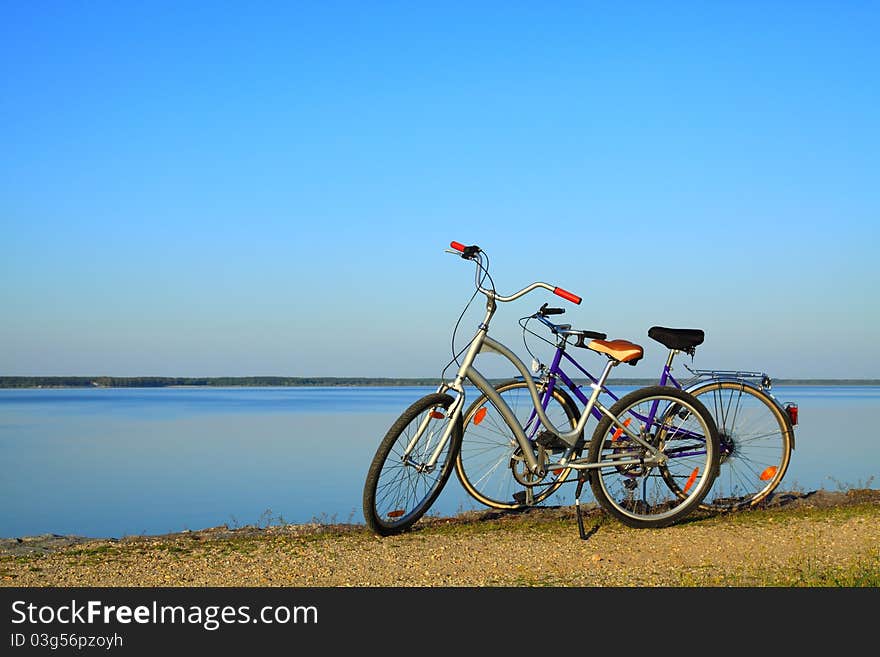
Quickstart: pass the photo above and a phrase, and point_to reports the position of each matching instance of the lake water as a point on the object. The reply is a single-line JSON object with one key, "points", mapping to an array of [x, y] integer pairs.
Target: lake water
{"points": [[118, 461]]}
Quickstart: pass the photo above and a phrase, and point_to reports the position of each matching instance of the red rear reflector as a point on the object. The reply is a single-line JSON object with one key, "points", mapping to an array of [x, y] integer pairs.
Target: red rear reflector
{"points": [[396, 514], [691, 479], [480, 414], [768, 473], [792, 411], [619, 431], [437, 415]]}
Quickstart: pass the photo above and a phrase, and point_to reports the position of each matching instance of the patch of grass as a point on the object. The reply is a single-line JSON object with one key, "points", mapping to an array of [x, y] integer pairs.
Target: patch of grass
{"points": [[96, 554], [770, 515], [865, 573], [93, 551], [243, 545]]}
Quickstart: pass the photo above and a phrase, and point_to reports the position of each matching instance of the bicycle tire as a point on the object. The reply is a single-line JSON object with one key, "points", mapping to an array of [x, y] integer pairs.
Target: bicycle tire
{"points": [[489, 450], [757, 439], [684, 430], [396, 494]]}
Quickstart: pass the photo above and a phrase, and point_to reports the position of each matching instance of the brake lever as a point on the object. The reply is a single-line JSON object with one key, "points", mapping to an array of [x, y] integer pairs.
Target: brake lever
{"points": [[543, 311]]}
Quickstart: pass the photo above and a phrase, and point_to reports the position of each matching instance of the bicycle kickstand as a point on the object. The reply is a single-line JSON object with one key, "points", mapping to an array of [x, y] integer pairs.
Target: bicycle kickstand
{"points": [[582, 478]]}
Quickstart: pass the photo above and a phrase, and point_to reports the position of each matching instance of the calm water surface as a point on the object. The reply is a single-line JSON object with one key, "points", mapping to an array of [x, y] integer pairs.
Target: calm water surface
{"points": [[116, 461]]}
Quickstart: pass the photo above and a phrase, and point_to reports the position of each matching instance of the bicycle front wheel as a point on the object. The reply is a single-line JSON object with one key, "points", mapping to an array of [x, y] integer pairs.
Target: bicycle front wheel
{"points": [[490, 463], [626, 483], [756, 438], [401, 485]]}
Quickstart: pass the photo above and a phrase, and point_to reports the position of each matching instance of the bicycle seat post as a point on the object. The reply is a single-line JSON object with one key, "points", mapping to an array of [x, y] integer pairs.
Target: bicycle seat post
{"points": [[667, 369]]}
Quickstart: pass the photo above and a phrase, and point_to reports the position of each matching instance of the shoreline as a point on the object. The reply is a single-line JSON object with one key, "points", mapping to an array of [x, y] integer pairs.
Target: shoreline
{"points": [[49, 542], [819, 538]]}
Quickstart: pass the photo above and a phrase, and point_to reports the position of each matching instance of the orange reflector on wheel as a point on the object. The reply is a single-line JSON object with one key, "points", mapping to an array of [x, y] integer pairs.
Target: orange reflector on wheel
{"points": [[396, 514], [557, 472], [691, 479], [619, 431], [437, 415], [480, 414], [768, 473]]}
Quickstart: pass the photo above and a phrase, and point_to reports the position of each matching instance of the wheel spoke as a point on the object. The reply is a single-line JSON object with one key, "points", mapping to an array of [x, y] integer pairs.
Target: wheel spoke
{"points": [[399, 491], [756, 444], [644, 495], [489, 451]]}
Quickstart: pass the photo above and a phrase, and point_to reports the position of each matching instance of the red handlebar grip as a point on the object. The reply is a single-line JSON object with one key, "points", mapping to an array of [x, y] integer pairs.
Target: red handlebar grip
{"points": [[565, 294], [457, 246]]}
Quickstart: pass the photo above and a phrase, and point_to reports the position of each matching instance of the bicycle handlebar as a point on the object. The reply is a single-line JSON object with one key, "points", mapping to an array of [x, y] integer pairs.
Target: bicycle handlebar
{"points": [[467, 252], [472, 253]]}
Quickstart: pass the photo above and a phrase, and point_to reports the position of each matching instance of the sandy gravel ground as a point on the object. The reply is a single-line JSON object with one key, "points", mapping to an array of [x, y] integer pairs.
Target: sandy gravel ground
{"points": [[777, 545]]}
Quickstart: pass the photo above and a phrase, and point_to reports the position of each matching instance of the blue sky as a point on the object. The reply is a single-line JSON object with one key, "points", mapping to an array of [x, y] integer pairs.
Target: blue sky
{"points": [[210, 189]]}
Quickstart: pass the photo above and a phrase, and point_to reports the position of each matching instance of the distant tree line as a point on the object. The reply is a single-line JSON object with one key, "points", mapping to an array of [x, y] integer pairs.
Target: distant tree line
{"points": [[222, 381], [280, 381]]}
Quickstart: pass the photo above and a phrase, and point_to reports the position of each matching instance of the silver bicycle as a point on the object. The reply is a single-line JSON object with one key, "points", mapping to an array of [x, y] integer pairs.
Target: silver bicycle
{"points": [[652, 457]]}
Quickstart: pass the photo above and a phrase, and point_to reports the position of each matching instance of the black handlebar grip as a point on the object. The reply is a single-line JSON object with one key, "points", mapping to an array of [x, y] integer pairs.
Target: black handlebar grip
{"points": [[544, 311], [592, 335]]}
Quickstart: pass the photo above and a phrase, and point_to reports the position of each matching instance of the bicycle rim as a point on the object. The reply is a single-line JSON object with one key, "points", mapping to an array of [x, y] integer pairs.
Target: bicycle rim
{"points": [[398, 491], [756, 443], [642, 495]]}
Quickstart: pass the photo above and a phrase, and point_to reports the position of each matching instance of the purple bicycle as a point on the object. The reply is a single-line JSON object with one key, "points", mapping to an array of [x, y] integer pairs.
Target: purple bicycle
{"points": [[756, 431]]}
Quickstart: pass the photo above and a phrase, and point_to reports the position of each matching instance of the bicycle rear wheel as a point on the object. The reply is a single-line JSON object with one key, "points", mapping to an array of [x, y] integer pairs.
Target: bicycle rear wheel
{"points": [[398, 490], [641, 495], [757, 439], [490, 463]]}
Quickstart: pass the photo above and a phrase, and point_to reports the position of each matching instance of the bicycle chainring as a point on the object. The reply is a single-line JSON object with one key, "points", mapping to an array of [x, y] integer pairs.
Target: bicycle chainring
{"points": [[520, 469]]}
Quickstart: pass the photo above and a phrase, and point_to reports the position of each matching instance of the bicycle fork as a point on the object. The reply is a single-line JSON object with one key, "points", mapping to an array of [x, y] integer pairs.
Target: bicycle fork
{"points": [[450, 415]]}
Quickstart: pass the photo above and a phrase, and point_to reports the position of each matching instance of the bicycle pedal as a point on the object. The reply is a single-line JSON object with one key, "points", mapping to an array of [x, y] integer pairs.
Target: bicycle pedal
{"points": [[520, 497]]}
